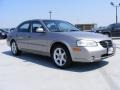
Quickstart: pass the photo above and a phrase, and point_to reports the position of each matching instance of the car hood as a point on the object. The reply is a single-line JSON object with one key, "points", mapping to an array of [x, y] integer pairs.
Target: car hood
{"points": [[87, 36]]}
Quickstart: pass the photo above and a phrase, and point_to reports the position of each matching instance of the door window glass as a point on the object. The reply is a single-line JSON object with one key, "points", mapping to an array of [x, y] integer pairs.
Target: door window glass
{"points": [[24, 27], [35, 26]]}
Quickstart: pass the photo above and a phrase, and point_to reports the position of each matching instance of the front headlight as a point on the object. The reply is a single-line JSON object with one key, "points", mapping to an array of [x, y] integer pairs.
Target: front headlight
{"points": [[86, 43]]}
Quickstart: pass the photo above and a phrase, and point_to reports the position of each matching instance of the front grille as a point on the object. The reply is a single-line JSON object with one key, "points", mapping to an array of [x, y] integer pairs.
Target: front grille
{"points": [[106, 43]]}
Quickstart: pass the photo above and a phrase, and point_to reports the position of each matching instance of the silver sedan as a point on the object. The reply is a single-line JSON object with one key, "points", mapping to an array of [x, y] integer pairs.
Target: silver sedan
{"points": [[60, 40]]}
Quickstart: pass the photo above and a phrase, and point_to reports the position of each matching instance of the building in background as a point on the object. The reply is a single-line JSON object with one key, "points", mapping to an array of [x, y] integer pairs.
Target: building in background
{"points": [[86, 27]]}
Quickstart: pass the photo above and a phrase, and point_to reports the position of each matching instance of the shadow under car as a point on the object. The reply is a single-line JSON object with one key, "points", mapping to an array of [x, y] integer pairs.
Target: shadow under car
{"points": [[47, 62]]}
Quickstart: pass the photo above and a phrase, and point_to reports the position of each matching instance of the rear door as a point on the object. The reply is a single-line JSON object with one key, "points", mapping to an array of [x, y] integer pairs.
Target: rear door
{"points": [[116, 30], [23, 35]]}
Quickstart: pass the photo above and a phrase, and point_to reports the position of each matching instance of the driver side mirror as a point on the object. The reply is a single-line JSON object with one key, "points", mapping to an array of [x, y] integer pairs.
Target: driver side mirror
{"points": [[40, 30]]}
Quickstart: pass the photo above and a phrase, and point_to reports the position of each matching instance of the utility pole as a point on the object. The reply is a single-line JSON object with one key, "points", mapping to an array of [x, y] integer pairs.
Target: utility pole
{"points": [[50, 12], [116, 8]]}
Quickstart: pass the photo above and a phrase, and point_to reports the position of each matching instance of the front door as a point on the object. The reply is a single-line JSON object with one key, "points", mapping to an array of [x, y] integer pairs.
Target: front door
{"points": [[39, 40]]}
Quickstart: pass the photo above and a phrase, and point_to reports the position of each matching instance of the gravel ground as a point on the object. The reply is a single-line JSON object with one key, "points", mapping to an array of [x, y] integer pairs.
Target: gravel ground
{"points": [[33, 72]]}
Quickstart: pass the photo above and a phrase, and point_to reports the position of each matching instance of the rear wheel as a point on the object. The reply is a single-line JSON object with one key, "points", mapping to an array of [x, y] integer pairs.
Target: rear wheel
{"points": [[61, 57], [14, 49]]}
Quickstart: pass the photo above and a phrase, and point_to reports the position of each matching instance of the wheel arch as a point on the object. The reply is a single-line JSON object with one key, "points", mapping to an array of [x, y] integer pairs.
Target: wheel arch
{"points": [[61, 44]]}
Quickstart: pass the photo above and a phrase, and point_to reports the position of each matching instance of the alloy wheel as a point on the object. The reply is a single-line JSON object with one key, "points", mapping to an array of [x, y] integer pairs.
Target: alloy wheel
{"points": [[14, 48], [60, 56]]}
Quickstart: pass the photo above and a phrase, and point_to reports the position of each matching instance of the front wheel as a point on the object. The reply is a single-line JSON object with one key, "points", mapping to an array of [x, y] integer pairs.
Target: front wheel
{"points": [[14, 49], [61, 57]]}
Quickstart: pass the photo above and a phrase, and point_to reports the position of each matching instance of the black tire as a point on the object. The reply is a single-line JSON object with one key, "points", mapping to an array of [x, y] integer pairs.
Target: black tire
{"points": [[67, 62], [4, 37], [14, 49]]}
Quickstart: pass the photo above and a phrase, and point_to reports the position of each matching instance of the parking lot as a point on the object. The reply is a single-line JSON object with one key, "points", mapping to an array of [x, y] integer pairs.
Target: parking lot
{"points": [[33, 72]]}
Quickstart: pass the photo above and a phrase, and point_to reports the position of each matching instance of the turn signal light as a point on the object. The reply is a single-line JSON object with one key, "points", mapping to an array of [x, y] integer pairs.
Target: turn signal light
{"points": [[76, 49]]}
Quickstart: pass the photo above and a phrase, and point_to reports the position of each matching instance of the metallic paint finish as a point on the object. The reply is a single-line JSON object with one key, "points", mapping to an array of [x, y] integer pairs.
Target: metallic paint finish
{"points": [[41, 43]]}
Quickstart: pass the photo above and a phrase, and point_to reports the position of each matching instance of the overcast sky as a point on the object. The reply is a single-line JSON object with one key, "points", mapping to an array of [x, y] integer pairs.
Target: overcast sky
{"points": [[100, 12]]}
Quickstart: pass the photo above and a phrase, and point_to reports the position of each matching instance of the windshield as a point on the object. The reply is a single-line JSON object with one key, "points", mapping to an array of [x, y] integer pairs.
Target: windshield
{"points": [[59, 26]]}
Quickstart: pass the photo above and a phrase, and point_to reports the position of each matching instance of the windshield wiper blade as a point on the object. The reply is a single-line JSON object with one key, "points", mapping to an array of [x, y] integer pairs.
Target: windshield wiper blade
{"points": [[58, 31], [74, 30]]}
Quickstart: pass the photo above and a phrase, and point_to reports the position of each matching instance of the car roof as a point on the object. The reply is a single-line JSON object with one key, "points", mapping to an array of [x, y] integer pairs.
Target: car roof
{"points": [[42, 20]]}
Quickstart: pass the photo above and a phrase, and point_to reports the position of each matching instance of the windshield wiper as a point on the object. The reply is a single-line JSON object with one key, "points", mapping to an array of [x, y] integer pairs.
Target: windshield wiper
{"points": [[74, 30], [57, 31]]}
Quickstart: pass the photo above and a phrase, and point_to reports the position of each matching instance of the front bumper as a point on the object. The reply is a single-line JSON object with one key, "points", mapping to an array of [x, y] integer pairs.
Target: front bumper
{"points": [[92, 54]]}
